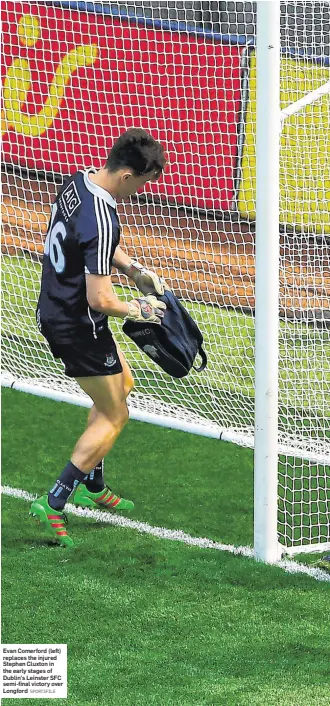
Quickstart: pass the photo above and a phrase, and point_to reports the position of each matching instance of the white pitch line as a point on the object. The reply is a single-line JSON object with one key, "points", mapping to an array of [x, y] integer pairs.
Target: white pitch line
{"points": [[291, 567]]}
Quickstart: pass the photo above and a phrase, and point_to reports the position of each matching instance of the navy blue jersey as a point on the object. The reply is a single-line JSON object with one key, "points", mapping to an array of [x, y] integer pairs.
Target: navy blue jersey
{"points": [[82, 236]]}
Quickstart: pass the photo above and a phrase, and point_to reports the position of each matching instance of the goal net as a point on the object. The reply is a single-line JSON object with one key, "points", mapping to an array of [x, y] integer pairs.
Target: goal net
{"points": [[76, 75]]}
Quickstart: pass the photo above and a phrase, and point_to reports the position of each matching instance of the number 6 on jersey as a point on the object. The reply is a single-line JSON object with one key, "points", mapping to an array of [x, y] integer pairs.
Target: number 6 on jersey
{"points": [[53, 244]]}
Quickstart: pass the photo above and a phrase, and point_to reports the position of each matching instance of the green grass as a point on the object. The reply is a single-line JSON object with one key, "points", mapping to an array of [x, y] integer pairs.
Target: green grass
{"points": [[143, 454], [150, 622]]}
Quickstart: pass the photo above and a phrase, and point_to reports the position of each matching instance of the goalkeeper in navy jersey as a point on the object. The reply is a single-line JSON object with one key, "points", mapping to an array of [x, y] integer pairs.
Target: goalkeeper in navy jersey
{"points": [[76, 299]]}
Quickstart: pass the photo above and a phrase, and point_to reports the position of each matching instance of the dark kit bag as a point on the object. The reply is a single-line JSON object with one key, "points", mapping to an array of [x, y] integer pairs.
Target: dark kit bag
{"points": [[174, 344]]}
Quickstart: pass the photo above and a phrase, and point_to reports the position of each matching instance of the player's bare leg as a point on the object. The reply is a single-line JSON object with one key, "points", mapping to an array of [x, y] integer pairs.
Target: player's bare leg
{"points": [[108, 415], [107, 418], [94, 481], [92, 492], [128, 381], [111, 415]]}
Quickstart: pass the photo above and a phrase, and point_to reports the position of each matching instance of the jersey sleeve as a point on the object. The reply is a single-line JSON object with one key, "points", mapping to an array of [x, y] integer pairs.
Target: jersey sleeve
{"points": [[97, 233]]}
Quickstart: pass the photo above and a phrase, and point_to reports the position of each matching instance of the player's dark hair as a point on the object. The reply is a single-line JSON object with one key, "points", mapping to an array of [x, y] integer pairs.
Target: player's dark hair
{"points": [[137, 150]]}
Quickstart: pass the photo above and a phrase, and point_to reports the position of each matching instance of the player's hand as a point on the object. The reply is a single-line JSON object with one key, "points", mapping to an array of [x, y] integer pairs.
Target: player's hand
{"points": [[147, 281], [147, 309]]}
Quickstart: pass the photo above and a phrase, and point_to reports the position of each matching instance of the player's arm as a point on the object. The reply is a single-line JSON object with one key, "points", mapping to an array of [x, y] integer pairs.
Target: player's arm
{"points": [[95, 241], [102, 297], [146, 280]]}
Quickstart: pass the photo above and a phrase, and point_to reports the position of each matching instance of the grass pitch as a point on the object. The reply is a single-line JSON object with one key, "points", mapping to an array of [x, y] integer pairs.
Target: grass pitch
{"points": [[150, 622]]}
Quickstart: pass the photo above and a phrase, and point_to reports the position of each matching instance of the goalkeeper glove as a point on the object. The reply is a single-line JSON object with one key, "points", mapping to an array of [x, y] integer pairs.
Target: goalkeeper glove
{"points": [[147, 309], [146, 281]]}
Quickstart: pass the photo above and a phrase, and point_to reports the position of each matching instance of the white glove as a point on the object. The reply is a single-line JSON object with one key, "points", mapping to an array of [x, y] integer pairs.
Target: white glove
{"points": [[147, 281], [147, 309]]}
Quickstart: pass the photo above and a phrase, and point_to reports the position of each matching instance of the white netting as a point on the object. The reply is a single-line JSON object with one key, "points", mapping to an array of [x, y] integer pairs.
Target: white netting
{"points": [[75, 76], [305, 204]]}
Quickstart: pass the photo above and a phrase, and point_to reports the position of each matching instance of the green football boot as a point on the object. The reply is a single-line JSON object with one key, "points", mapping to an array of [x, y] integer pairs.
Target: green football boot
{"points": [[52, 521], [103, 500]]}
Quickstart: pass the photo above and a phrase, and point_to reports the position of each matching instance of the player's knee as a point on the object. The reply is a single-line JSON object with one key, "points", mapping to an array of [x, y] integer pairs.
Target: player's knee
{"points": [[119, 418]]}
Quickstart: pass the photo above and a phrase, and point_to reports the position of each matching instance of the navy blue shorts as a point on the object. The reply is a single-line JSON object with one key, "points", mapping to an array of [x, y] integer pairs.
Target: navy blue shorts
{"points": [[88, 356]]}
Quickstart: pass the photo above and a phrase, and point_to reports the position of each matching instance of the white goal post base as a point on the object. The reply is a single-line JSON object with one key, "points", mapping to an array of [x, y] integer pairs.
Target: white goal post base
{"points": [[307, 549]]}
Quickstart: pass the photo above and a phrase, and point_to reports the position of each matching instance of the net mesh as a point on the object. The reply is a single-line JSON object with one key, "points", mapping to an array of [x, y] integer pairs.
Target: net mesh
{"points": [[187, 73], [304, 486]]}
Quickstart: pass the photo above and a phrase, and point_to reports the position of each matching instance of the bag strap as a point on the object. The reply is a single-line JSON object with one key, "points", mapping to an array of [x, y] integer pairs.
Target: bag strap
{"points": [[204, 360]]}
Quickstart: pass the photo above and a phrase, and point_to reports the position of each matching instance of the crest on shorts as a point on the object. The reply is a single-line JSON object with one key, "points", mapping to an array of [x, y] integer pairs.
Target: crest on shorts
{"points": [[110, 361]]}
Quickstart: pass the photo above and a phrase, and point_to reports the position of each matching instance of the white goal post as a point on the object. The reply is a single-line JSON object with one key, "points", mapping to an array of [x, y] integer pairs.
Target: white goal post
{"points": [[267, 281], [239, 225]]}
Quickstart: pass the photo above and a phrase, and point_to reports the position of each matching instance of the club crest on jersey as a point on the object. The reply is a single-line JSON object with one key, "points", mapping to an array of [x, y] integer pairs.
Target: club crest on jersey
{"points": [[110, 361], [69, 200]]}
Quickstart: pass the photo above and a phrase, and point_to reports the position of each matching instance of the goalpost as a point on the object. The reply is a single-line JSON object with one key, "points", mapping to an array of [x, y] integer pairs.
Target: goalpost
{"points": [[239, 225]]}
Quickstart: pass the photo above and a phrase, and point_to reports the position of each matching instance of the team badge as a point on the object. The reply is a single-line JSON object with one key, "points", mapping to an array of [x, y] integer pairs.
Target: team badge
{"points": [[110, 361]]}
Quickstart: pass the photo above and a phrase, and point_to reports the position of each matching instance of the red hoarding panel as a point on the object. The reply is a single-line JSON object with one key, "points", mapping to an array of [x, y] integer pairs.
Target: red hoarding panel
{"points": [[73, 81]]}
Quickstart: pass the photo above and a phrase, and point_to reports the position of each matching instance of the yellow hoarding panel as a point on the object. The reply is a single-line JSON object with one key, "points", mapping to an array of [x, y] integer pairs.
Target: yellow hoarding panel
{"points": [[304, 154]]}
